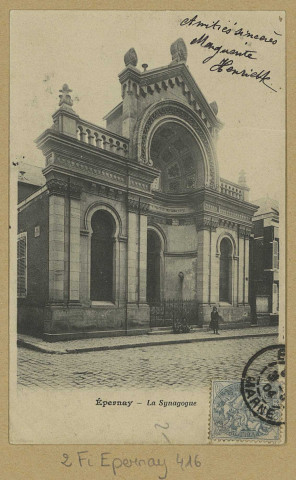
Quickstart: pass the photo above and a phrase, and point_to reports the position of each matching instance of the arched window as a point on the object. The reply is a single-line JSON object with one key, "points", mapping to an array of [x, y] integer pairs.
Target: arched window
{"points": [[225, 285], [153, 267], [177, 155], [101, 285]]}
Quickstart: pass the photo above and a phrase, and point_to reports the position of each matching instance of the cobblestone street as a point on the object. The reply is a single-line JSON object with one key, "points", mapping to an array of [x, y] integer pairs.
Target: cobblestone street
{"points": [[180, 366]]}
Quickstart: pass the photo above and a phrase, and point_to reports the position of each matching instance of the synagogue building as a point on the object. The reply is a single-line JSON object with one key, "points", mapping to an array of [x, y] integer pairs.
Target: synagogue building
{"points": [[134, 216]]}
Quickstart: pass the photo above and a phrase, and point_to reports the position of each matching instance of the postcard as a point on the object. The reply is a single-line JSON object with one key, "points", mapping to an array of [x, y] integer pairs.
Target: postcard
{"points": [[147, 246]]}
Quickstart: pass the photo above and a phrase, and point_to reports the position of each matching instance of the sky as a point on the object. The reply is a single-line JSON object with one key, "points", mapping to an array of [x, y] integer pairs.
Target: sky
{"points": [[86, 48]]}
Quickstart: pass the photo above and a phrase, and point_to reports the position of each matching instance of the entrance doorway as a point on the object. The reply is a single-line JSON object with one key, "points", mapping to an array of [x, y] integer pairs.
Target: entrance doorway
{"points": [[153, 267]]}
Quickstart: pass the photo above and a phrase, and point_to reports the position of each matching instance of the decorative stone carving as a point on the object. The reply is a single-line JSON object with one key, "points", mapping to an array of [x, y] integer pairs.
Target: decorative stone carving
{"points": [[206, 223], [214, 107], [144, 208], [133, 205], [227, 223], [179, 221], [131, 58], [57, 187], [89, 169], [65, 97], [244, 232], [139, 184], [75, 190], [241, 231], [179, 51], [137, 206]]}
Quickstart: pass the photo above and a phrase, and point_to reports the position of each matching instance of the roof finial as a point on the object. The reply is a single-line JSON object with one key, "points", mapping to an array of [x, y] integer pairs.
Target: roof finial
{"points": [[65, 97], [242, 181], [131, 58], [179, 51]]}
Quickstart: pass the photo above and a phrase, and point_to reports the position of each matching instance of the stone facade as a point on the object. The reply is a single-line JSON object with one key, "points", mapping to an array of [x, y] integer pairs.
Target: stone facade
{"points": [[154, 168]]}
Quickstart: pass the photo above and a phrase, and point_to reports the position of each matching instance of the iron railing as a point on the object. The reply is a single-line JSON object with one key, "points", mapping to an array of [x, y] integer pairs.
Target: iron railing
{"points": [[167, 312]]}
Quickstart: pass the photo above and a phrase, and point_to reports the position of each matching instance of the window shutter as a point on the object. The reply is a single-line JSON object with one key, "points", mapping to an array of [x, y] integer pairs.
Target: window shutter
{"points": [[22, 266], [268, 248], [275, 254]]}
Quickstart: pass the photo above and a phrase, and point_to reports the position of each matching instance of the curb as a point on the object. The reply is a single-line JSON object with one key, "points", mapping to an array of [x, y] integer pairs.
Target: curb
{"points": [[31, 346]]}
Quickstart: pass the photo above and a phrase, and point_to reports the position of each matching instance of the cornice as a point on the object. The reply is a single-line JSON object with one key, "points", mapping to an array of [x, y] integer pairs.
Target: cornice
{"points": [[51, 137], [207, 194], [191, 254]]}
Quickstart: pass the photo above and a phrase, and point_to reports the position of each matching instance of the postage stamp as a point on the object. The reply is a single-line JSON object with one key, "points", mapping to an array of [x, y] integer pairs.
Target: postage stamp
{"points": [[254, 408], [232, 420]]}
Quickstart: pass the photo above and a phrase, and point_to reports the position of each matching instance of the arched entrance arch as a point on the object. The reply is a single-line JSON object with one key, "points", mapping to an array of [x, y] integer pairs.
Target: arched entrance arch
{"points": [[104, 226], [172, 111], [179, 156], [102, 257], [225, 273]]}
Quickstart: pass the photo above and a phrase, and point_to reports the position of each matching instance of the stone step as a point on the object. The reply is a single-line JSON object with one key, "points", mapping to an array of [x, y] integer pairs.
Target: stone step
{"points": [[160, 330], [231, 325]]}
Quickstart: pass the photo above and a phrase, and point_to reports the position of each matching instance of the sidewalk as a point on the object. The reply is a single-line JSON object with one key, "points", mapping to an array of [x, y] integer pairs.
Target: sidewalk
{"points": [[117, 343]]}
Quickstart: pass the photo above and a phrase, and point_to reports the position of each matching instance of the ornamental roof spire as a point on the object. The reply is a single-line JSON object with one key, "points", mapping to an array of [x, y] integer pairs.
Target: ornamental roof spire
{"points": [[131, 58], [242, 180], [65, 97], [179, 51]]}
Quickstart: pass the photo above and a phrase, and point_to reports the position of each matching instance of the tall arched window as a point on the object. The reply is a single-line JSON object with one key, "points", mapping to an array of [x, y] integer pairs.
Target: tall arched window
{"points": [[225, 285], [153, 267], [101, 284]]}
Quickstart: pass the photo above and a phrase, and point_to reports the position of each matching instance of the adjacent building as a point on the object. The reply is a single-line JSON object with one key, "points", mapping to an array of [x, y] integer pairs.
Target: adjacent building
{"points": [[133, 214], [264, 263]]}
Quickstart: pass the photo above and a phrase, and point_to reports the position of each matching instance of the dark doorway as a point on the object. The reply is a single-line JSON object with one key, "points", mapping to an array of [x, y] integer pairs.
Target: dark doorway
{"points": [[101, 285], [153, 267], [225, 287]]}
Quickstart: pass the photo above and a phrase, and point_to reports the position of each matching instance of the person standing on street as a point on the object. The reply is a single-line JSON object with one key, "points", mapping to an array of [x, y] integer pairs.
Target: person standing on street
{"points": [[215, 320]]}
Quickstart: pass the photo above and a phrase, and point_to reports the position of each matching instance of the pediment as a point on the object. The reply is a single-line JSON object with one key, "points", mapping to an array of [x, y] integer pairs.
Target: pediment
{"points": [[165, 78]]}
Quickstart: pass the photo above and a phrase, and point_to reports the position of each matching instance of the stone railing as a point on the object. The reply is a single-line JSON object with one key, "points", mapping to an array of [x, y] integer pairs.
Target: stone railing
{"points": [[232, 189], [101, 138]]}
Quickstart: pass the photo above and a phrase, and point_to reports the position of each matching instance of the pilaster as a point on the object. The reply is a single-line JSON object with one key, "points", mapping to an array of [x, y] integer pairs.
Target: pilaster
{"points": [[241, 267], [203, 255], [137, 250], [74, 238], [142, 258], [133, 245], [57, 190], [246, 279]]}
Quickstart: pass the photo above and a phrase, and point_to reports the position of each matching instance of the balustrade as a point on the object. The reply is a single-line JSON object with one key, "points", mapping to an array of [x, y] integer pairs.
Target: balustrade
{"points": [[231, 189], [101, 138]]}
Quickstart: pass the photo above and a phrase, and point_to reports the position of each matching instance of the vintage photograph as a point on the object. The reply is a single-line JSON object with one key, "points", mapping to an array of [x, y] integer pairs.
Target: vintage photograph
{"points": [[147, 154]]}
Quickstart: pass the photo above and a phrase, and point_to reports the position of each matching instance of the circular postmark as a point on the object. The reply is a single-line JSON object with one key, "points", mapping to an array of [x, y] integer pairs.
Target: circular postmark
{"points": [[263, 384]]}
